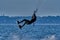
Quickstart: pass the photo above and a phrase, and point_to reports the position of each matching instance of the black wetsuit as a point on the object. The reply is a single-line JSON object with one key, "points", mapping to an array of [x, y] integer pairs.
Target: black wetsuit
{"points": [[32, 20], [28, 21]]}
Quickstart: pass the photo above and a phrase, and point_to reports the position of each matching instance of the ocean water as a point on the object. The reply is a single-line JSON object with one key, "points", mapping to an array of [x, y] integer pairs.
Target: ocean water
{"points": [[45, 28], [30, 32]]}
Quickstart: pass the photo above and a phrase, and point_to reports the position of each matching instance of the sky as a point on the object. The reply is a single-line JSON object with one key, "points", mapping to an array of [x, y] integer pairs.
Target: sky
{"points": [[27, 7]]}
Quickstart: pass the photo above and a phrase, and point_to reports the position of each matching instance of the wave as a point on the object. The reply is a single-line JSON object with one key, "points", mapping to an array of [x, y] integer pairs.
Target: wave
{"points": [[51, 37]]}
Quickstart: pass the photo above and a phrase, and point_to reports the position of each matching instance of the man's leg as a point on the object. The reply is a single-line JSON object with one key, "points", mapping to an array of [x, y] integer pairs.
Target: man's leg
{"points": [[18, 22], [20, 26], [22, 21], [26, 21]]}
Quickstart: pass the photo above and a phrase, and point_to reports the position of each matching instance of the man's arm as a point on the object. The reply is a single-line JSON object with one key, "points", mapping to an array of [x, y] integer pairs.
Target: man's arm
{"points": [[34, 15], [35, 11]]}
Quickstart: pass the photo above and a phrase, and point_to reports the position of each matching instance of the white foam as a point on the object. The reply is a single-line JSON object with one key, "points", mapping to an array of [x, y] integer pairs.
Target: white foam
{"points": [[13, 37], [51, 37]]}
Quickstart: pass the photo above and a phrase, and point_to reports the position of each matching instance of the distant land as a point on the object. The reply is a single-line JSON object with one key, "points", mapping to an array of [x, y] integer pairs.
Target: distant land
{"points": [[40, 20]]}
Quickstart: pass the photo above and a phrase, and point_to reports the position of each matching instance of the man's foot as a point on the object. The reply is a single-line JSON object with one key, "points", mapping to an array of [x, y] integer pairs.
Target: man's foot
{"points": [[18, 22], [20, 26]]}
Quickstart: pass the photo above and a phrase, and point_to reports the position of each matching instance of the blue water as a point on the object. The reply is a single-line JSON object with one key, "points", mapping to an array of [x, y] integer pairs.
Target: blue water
{"points": [[29, 32], [37, 32]]}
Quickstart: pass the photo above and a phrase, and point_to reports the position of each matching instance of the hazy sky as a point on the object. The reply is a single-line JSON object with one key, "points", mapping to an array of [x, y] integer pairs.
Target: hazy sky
{"points": [[26, 7]]}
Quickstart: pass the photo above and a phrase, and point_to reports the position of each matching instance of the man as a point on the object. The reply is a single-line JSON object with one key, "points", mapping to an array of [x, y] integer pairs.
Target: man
{"points": [[28, 21]]}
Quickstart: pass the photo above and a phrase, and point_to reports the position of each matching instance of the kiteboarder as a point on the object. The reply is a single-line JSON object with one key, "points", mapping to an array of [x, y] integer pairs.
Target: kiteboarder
{"points": [[28, 21]]}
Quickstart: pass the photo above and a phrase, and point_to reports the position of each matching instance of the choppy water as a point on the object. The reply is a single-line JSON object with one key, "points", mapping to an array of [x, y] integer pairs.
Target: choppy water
{"points": [[30, 32]]}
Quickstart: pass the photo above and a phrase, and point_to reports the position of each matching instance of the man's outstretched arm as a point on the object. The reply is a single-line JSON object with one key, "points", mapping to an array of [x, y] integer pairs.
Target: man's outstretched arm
{"points": [[35, 11]]}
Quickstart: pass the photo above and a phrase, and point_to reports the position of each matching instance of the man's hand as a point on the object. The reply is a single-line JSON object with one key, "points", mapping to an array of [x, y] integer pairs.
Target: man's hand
{"points": [[35, 10]]}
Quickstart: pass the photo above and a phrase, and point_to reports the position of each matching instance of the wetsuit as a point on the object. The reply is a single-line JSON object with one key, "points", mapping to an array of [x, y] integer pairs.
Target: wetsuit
{"points": [[28, 21]]}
